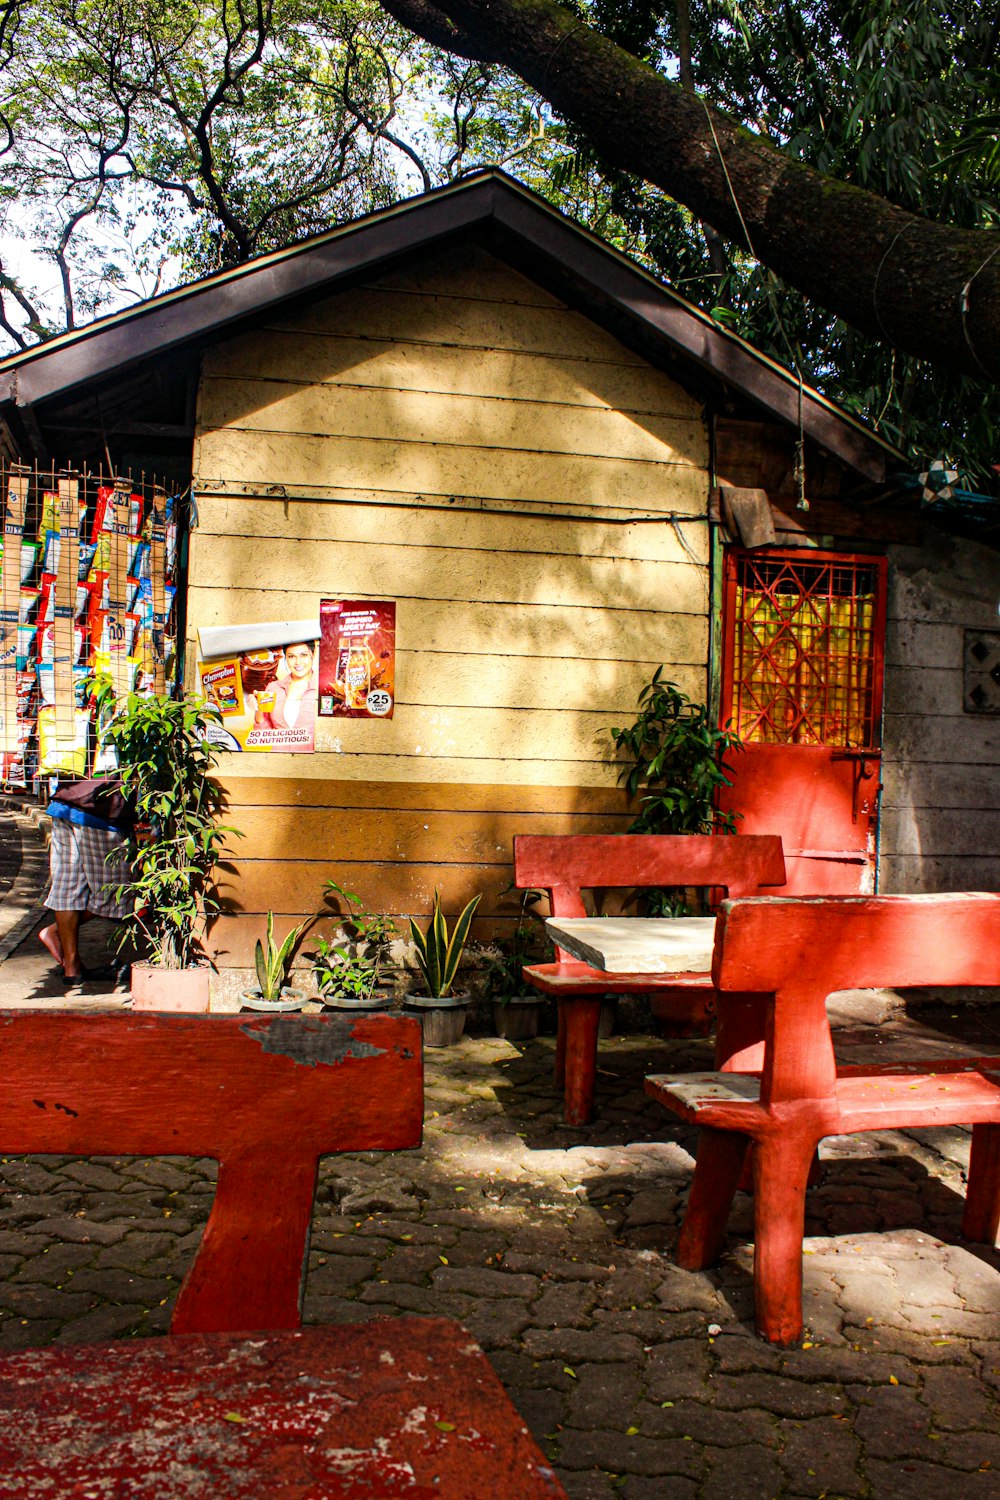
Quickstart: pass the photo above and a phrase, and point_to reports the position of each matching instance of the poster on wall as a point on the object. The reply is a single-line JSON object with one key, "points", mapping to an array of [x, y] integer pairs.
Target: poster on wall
{"points": [[263, 680], [357, 658]]}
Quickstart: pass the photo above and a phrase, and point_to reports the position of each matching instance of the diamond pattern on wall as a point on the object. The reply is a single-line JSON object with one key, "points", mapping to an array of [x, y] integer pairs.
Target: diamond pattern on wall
{"points": [[982, 672]]}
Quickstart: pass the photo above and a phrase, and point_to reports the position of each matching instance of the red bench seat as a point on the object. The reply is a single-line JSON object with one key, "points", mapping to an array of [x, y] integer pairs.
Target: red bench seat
{"points": [[404, 1406]]}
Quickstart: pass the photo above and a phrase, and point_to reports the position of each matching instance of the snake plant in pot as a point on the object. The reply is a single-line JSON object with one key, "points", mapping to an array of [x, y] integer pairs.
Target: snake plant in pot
{"points": [[272, 964], [439, 954]]}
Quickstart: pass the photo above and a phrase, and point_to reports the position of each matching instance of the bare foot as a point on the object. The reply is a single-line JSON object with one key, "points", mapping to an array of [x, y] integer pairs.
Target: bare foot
{"points": [[49, 938]]}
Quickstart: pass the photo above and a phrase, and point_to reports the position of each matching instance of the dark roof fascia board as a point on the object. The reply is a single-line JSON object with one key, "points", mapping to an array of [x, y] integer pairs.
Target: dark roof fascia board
{"points": [[696, 336], [196, 312]]}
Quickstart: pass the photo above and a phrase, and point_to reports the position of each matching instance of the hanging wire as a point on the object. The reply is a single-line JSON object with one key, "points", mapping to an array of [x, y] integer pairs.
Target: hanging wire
{"points": [[800, 446], [963, 307]]}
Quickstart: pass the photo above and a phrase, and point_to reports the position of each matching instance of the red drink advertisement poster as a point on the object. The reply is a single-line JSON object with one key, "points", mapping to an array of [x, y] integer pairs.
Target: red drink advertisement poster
{"points": [[357, 658]]}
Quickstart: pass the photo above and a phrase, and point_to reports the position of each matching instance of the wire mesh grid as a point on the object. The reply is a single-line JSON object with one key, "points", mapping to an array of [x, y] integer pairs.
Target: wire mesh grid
{"points": [[804, 650], [87, 588]]}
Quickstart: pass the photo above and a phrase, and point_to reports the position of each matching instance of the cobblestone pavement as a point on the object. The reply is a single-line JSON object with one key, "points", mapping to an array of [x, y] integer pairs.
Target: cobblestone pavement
{"points": [[553, 1247]]}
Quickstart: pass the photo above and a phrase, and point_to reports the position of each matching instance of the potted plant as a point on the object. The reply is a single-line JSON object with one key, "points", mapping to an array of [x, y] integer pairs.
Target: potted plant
{"points": [[164, 761], [349, 971], [517, 1009], [273, 964], [442, 1014], [676, 767]]}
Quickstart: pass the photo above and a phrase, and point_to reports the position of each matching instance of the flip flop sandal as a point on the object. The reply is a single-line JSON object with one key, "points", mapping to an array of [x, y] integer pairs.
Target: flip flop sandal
{"points": [[86, 976]]}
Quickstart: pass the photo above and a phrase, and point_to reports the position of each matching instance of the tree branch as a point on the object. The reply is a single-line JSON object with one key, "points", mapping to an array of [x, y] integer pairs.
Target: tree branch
{"points": [[34, 324], [930, 289], [379, 129], [431, 22]]}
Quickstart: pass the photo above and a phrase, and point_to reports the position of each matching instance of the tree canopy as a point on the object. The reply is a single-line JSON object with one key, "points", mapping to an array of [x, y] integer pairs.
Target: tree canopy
{"points": [[842, 160], [154, 140], [822, 176]]}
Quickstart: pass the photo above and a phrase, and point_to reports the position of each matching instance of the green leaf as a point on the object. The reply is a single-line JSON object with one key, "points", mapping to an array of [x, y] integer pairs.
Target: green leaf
{"points": [[438, 955], [260, 964], [454, 948]]}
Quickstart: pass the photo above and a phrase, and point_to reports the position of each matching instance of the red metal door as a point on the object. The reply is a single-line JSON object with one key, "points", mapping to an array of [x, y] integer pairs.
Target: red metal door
{"points": [[802, 673]]}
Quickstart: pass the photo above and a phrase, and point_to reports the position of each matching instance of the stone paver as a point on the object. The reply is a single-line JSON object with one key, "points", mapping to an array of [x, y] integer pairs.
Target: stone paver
{"points": [[554, 1247]]}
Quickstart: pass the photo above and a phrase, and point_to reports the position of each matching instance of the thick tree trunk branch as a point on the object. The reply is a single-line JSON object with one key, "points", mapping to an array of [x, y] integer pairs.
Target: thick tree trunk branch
{"points": [[931, 290]]}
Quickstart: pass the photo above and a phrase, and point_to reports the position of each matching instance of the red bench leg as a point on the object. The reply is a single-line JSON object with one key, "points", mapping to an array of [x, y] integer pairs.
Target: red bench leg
{"points": [[721, 1155], [981, 1220], [251, 1260], [581, 1020], [781, 1166]]}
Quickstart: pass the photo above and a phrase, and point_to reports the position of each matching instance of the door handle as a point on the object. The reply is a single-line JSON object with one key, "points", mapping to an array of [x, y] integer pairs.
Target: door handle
{"points": [[863, 771]]}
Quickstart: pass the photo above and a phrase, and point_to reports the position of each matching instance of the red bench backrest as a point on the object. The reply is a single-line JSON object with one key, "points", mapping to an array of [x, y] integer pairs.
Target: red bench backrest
{"points": [[568, 864], [801, 950], [863, 942], [266, 1096]]}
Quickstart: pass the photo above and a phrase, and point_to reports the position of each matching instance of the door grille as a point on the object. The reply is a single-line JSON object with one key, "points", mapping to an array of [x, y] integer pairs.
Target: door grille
{"points": [[804, 648]]}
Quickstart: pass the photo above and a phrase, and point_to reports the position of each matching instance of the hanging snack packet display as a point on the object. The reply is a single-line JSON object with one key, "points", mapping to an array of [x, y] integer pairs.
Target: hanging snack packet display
{"points": [[14, 763], [58, 755], [155, 565], [66, 639], [10, 611], [29, 559], [92, 591], [123, 515]]}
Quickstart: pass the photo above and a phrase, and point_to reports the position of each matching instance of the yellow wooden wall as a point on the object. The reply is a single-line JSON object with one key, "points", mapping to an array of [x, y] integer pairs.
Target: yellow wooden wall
{"points": [[531, 493]]}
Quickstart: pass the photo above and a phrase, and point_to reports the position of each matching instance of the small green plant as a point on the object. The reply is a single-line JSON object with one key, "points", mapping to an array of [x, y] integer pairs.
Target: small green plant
{"points": [[676, 766], [438, 954], [354, 965], [273, 963], [165, 761], [526, 945], [676, 763]]}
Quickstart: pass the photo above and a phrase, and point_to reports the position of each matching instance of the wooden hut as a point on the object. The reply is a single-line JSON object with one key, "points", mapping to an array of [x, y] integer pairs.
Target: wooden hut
{"points": [[563, 476]]}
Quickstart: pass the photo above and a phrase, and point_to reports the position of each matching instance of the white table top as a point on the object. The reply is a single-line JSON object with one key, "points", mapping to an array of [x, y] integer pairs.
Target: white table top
{"points": [[638, 945]]}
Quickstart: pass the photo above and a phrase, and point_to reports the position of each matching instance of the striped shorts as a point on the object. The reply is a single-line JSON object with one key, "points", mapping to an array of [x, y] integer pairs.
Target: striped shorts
{"points": [[87, 865]]}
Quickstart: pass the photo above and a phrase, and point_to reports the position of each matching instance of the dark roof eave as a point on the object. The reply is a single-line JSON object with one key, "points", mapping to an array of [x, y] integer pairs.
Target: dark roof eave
{"points": [[175, 319], [190, 314]]}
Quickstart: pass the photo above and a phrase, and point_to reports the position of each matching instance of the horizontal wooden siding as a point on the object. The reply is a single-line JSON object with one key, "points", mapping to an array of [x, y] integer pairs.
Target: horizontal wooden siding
{"points": [[534, 497]]}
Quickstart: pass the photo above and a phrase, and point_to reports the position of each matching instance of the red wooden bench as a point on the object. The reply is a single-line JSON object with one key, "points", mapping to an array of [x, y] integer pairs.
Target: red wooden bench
{"points": [[568, 865], [407, 1405], [396, 1408], [780, 1091], [266, 1096]]}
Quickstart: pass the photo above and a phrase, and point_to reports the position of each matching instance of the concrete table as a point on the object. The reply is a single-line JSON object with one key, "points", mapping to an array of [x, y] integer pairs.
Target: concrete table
{"points": [[638, 945], [676, 954]]}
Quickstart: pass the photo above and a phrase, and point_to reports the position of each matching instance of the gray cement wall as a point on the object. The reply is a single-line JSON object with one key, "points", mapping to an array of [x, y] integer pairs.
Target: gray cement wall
{"points": [[940, 819]]}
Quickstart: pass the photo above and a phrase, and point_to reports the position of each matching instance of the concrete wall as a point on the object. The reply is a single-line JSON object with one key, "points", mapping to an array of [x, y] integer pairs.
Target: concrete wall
{"points": [[940, 823]]}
